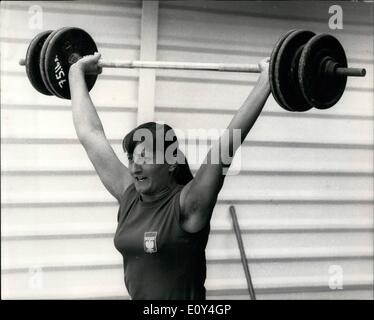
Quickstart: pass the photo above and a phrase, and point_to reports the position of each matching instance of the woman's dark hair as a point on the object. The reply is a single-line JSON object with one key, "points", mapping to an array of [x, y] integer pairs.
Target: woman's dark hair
{"points": [[182, 174]]}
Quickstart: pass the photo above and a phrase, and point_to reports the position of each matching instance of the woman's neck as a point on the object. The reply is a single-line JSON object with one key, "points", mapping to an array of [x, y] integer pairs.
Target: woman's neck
{"points": [[159, 194]]}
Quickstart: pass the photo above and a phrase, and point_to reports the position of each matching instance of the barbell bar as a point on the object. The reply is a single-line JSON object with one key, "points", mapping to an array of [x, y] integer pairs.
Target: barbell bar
{"points": [[299, 61], [173, 65], [224, 67]]}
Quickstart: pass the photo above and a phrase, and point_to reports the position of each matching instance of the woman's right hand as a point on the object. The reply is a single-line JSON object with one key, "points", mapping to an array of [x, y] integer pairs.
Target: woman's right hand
{"points": [[264, 70], [88, 64]]}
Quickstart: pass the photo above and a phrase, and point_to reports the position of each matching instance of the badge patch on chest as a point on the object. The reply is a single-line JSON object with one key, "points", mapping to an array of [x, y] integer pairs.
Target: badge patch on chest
{"points": [[150, 244]]}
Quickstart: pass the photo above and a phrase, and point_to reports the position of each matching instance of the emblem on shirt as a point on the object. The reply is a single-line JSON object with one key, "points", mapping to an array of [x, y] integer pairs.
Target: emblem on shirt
{"points": [[150, 245]]}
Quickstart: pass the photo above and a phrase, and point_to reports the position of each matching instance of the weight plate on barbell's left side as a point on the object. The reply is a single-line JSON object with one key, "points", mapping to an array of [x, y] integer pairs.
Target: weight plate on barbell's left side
{"points": [[273, 58], [41, 62], [320, 89], [63, 45], [32, 62], [286, 70]]}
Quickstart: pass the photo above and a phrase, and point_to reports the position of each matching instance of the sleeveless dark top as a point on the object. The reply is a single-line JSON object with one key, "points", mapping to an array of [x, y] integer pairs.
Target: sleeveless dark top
{"points": [[160, 259]]}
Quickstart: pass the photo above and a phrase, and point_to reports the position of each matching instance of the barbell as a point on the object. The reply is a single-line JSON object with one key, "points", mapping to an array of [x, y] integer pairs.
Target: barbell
{"points": [[305, 70]]}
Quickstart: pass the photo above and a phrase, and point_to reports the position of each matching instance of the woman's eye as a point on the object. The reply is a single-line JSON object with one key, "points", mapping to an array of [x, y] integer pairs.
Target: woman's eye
{"points": [[138, 160], [148, 159]]}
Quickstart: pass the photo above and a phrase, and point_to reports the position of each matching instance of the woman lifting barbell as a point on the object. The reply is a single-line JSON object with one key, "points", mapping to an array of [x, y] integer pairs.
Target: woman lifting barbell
{"points": [[164, 214]]}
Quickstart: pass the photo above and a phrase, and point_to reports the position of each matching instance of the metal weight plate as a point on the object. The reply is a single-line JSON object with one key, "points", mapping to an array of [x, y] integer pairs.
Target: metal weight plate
{"points": [[321, 90], [65, 44], [286, 71], [42, 62], [42, 59], [273, 58], [32, 62]]}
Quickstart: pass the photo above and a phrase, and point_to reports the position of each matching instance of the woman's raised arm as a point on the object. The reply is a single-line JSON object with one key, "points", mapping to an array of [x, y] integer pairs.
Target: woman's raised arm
{"points": [[114, 175], [199, 196]]}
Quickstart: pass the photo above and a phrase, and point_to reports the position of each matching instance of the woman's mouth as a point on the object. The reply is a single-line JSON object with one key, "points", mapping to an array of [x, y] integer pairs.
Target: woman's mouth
{"points": [[140, 179]]}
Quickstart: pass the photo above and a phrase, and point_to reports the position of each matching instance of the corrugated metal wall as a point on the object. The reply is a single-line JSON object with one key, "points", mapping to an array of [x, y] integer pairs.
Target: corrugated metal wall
{"points": [[57, 218], [304, 197]]}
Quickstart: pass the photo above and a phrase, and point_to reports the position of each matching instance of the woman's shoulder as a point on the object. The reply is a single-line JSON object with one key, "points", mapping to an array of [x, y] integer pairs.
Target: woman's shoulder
{"points": [[129, 193], [178, 188]]}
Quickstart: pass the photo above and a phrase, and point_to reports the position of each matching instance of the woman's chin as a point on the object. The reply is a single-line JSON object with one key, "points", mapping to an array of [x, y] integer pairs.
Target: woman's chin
{"points": [[141, 187]]}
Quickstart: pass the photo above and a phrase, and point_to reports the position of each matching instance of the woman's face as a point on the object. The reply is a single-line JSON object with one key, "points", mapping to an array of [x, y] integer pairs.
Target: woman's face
{"points": [[149, 176]]}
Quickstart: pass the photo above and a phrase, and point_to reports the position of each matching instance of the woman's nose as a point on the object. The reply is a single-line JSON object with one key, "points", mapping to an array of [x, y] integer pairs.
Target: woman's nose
{"points": [[135, 167]]}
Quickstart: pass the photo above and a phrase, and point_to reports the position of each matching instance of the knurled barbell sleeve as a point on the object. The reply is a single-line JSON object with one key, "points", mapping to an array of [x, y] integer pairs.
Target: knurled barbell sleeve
{"points": [[350, 72]]}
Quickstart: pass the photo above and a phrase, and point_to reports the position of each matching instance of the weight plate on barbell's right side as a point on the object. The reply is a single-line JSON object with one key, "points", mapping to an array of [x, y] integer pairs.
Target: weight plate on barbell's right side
{"points": [[63, 45], [286, 71], [273, 58], [32, 62], [321, 90]]}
